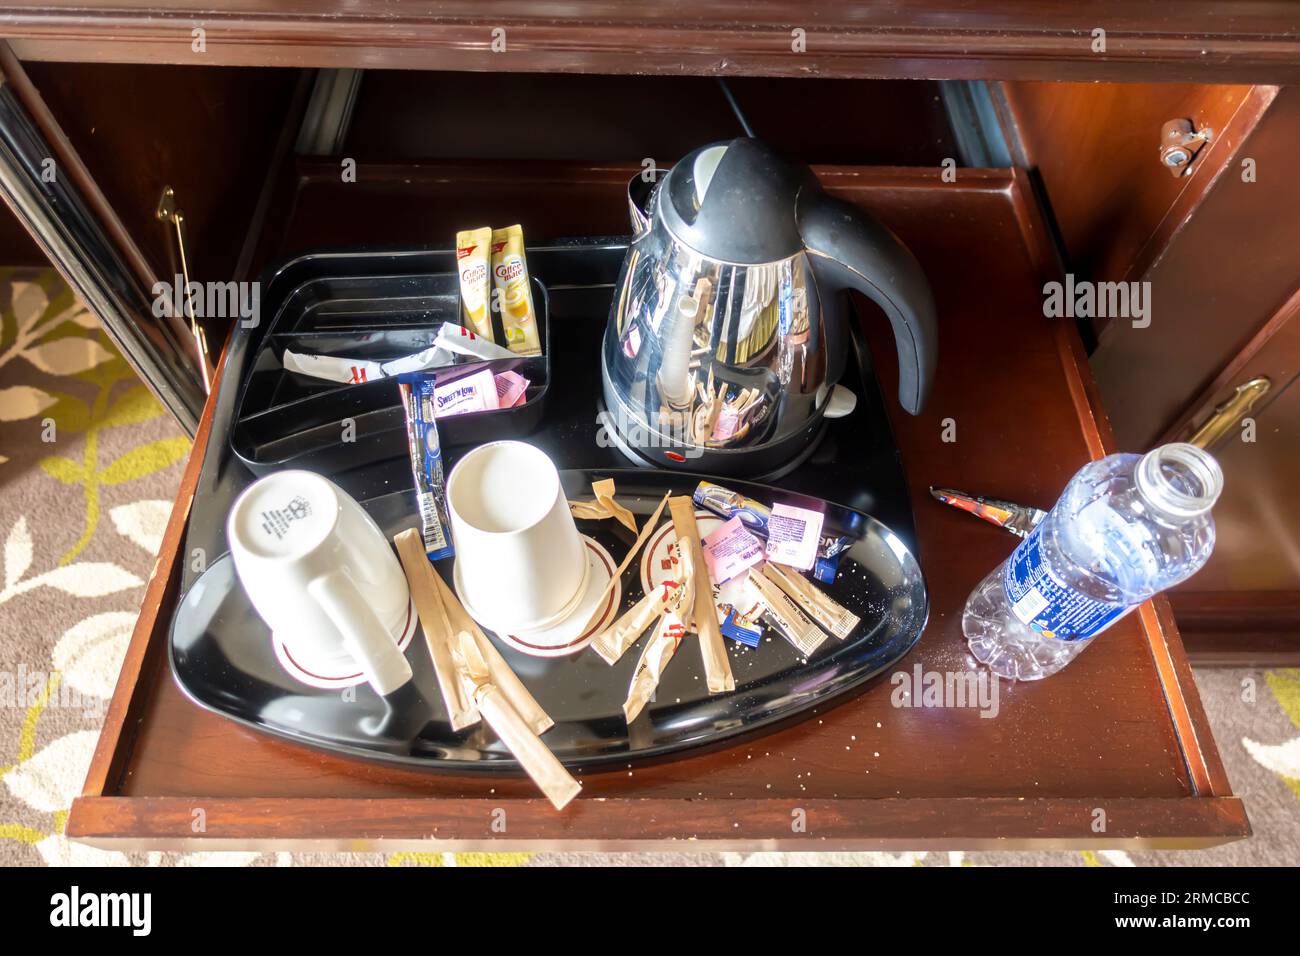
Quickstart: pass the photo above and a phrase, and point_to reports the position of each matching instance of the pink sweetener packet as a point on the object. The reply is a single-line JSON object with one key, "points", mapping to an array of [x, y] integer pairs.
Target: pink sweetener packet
{"points": [[727, 424], [731, 549], [511, 388], [473, 393], [792, 536]]}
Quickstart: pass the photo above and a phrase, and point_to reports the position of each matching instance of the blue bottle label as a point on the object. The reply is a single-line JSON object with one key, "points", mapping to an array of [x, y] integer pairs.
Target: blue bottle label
{"points": [[1046, 604]]}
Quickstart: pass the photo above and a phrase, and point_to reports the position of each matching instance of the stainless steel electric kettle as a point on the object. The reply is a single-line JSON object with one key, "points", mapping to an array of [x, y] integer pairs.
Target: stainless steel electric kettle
{"points": [[726, 337]]}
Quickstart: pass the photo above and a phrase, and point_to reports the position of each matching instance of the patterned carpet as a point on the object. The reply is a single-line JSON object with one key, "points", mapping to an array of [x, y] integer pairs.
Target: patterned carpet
{"points": [[89, 464]]}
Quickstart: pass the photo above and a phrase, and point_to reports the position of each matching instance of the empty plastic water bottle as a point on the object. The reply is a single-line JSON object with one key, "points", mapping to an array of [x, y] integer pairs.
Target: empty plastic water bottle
{"points": [[1127, 527]]}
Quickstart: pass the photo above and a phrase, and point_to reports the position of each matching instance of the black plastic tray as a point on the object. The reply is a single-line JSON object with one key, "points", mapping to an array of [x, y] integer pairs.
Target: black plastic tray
{"points": [[285, 419], [222, 657], [856, 466]]}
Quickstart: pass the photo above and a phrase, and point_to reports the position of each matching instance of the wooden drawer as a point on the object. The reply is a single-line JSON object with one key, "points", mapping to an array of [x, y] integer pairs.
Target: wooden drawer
{"points": [[1121, 730]]}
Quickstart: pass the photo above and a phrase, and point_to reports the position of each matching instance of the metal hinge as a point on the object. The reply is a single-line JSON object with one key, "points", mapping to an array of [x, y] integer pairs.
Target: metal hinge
{"points": [[1180, 144]]}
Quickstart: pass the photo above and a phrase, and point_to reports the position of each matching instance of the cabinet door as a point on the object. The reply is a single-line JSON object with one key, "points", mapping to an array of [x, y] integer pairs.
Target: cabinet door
{"points": [[1244, 605]]}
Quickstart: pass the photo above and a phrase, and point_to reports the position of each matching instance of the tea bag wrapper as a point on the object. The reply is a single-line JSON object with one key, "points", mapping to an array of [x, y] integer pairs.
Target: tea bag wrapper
{"points": [[790, 621], [816, 603], [704, 614], [461, 712], [537, 760]]}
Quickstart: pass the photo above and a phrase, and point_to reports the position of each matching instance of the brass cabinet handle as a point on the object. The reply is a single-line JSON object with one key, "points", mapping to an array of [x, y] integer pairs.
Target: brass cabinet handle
{"points": [[169, 212], [1229, 412]]}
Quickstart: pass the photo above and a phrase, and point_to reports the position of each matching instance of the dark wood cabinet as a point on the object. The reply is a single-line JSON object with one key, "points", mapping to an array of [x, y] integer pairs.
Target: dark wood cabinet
{"points": [[998, 140]]}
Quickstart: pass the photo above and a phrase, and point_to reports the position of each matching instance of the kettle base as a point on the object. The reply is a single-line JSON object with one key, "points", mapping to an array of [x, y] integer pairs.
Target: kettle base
{"points": [[764, 465]]}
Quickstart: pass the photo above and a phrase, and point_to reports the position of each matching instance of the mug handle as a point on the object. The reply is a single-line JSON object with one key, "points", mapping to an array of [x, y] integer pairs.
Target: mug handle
{"points": [[364, 636]]}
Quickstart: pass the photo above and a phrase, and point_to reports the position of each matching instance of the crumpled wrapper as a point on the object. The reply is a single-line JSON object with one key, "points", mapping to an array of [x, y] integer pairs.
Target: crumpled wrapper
{"points": [[605, 506]]}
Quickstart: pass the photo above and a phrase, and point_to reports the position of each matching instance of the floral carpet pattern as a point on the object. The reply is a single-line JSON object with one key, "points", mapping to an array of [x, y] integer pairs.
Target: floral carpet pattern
{"points": [[89, 464]]}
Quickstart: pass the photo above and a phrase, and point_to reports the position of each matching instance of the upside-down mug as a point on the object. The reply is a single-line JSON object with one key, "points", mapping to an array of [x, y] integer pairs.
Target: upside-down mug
{"points": [[321, 574]]}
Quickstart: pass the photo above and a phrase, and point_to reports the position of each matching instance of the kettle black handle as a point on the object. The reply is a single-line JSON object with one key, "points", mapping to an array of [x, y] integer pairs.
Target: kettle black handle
{"points": [[853, 250]]}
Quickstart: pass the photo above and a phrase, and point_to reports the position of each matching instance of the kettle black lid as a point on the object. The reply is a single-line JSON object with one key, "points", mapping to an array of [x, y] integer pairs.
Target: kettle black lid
{"points": [[735, 201]]}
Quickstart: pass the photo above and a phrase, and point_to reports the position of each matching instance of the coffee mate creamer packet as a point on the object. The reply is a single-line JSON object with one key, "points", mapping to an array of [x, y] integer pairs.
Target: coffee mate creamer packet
{"points": [[513, 291], [473, 257]]}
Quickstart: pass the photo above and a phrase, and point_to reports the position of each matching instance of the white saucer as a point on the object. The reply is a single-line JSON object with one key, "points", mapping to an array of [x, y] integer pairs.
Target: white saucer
{"points": [[568, 636], [659, 560], [338, 671]]}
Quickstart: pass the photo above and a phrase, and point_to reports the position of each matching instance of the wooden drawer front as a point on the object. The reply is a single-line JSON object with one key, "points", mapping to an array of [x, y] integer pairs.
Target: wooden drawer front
{"points": [[1121, 729]]}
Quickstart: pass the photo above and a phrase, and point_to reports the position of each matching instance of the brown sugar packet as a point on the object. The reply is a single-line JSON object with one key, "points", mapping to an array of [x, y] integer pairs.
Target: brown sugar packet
{"points": [[795, 626], [717, 666], [437, 628], [816, 603], [520, 739], [506, 680]]}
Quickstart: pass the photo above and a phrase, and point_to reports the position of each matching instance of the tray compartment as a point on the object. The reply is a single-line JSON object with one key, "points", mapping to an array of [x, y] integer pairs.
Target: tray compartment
{"points": [[286, 419]]}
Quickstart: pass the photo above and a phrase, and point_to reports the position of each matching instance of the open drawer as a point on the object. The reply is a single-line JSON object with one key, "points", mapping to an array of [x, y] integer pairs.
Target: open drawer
{"points": [[1121, 730]]}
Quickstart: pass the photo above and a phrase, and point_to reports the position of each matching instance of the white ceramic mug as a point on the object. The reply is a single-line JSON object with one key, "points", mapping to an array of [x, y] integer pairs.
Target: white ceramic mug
{"points": [[520, 562], [319, 571]]}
